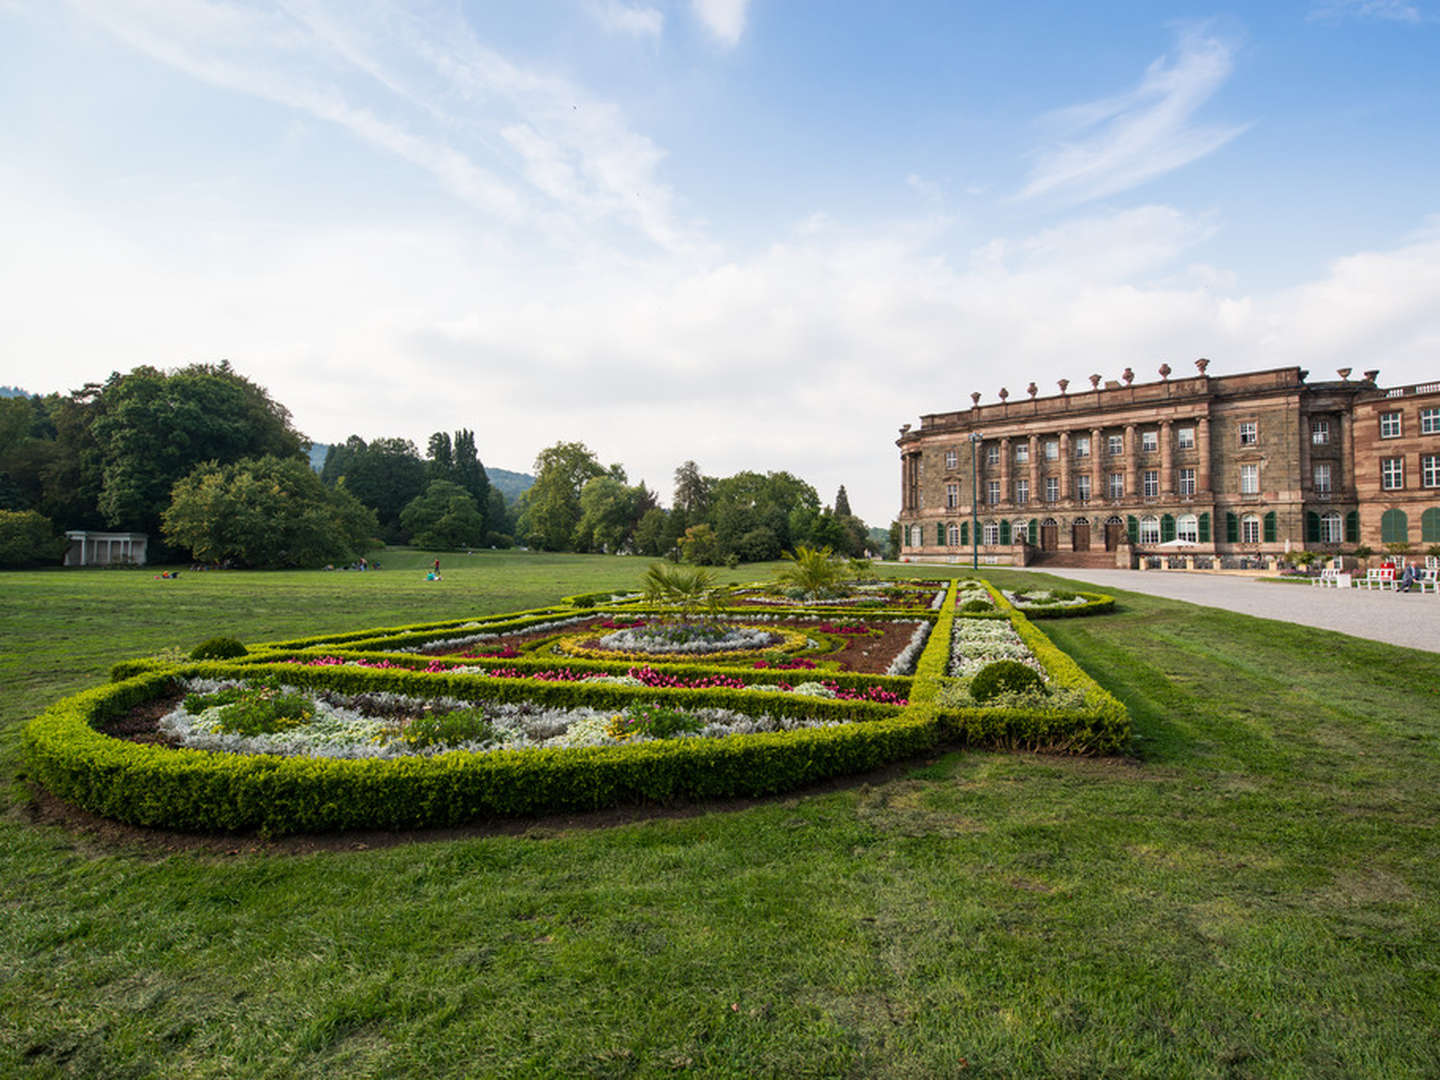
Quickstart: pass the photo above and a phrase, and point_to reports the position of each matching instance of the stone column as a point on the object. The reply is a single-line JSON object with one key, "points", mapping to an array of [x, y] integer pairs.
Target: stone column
{"points": [[1097, 465], [1167, 460], [1035, 469], [1307, 481], [1132, 465], [1202, 455], [1006, 491], [1065, 466]]}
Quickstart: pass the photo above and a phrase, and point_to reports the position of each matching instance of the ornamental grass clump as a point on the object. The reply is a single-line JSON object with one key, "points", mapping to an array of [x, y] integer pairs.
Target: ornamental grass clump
{"points": [[655, 721], [454, 727]]}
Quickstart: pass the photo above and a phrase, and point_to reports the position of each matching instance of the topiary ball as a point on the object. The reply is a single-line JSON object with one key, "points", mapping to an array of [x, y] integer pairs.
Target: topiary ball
{"points": [[1003, 677], [218, 648]]}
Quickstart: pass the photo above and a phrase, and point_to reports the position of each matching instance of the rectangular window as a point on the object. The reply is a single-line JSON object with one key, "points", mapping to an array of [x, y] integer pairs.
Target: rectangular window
{"points": [[1430, 470], [1082, 445], [1390, 425], [1151, 480], [950, 459], [1185, 438], [1116, 488], [1052, 488], [1022, 492], [1392, 473], [992, 454], [1149, 441], [1321, 477], [1249, 433], [1430, 421], [1250, 529], [1052, 450], [1249, 479], [1082, 488], [1319, 432], [992, 534], [1116, 444], [952, 496], [1330, 529], [1022, 453], [992, 491], [1187, 481], [1187, 528]]}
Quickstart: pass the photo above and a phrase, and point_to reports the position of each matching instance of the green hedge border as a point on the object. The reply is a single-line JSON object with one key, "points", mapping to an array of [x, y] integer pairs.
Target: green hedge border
{"points": [[1095, 604], [202, 791]]}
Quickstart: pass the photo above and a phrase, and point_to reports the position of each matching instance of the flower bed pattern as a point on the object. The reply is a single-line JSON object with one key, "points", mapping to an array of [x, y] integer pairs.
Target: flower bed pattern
{"points": [[315, 746]]}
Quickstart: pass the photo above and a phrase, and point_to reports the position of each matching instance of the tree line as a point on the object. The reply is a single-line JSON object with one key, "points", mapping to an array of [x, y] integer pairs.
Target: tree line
{"points": [[212, 468], [577, 504]]}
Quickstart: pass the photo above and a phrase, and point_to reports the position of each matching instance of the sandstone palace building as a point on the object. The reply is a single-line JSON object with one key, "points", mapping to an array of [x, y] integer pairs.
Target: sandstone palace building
{"points": [[1237, 465]]}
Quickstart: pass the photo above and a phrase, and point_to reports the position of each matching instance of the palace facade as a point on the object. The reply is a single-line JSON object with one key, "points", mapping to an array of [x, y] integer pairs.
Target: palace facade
{"points": [[1254, 464]]}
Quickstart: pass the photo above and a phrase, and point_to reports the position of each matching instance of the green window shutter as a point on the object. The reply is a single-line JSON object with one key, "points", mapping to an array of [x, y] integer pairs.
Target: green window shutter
{"points": [[1034, 531], [1004, 532], [1204, 528], [1232, 528], [1394, 527], [1269, 527], [1430, 525], [940, 533], [964, 533], [1312, 527], [1167, 528], [1132, 528], [1352, 527]]}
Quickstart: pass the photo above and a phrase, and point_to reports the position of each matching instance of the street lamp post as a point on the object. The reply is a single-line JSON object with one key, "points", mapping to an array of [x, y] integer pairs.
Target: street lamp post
{"points": [[975, 440]]}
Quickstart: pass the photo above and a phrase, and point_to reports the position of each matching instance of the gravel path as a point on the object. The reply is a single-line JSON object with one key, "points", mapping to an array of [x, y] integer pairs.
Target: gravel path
{"points": [[1410, 619]]}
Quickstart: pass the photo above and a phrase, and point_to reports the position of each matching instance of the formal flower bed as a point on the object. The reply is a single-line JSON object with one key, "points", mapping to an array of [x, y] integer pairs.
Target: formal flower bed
{"points": [[239, 717], [633, 706]]}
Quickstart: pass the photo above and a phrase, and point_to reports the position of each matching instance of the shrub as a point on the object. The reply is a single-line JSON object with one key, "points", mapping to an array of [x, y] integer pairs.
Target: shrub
{"points": [[28, 539], [1004, 677], [977, 605], [448, 729], [218, 648]]}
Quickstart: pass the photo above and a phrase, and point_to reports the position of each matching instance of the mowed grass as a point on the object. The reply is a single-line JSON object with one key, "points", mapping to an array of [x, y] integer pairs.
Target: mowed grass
{"points": [[1252, 893]]}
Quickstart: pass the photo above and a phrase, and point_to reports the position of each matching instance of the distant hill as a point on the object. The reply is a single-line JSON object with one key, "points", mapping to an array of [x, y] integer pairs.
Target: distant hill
{"points": [[317, 455], [511, 484], [14, 391]]}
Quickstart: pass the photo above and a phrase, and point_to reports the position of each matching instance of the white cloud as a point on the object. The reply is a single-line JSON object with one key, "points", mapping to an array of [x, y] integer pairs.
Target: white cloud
{"points": [[625, 18], [1384, 10], [1114, 144], [478, 124], [725, 19]]}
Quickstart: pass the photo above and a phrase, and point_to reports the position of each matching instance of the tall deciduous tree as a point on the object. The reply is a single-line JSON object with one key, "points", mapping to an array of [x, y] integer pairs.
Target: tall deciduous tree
{"points": [[692, 490], [385, 474], [152, 428], [552, 505], [266, 512], [446, 517]]}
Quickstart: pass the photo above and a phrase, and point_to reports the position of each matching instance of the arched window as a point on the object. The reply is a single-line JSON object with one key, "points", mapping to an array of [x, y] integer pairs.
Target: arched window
{"points": [[915, 540], [1330, 528], [1149, 529], [1187, 528], [1394, 527], [1430, 526], [1249, 529], [952, 534], [992, 533], [1021, 531]]}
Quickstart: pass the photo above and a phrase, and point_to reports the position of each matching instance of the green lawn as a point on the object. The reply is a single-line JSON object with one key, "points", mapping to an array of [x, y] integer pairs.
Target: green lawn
{"points": [[1252, 893]]}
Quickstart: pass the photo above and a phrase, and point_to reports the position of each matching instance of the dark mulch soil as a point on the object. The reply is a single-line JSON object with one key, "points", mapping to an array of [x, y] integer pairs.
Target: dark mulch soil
{"points": [[142, 723]]}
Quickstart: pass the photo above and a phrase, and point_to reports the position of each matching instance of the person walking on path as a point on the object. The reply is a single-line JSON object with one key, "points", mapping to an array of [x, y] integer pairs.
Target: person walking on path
{"points": [[436, 567]]}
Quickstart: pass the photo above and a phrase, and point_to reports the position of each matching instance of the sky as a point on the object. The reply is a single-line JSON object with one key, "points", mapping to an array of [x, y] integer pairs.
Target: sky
{"points": [[759, 234]]}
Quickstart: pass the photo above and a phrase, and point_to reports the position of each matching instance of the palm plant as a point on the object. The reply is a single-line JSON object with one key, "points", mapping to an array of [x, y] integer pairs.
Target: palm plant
{"points": [[812, 570], [689, 588]]}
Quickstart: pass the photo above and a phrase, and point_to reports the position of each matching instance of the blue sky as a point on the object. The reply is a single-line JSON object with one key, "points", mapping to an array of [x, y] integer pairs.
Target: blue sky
{"points": [[755, 233]]}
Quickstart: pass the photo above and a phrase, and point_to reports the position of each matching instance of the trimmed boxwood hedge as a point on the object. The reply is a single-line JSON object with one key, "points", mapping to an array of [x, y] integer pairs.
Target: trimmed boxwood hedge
{"points": [[206, 791], [1095, 604]]}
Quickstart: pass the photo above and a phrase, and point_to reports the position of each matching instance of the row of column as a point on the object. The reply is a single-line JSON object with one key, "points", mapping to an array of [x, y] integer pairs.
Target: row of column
{"points": [[1096, 467]]}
